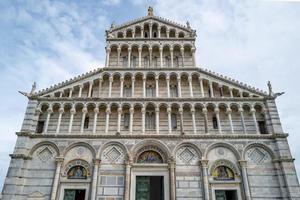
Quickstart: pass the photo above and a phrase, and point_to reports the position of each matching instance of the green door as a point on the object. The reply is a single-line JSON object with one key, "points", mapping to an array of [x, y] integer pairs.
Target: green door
{"points": [[142, 188], [220, 195], [69, 194]]}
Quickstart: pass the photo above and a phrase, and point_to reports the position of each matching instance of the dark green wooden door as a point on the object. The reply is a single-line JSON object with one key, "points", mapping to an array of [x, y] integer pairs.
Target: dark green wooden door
{"points": [[220, 195], [142, 188]]}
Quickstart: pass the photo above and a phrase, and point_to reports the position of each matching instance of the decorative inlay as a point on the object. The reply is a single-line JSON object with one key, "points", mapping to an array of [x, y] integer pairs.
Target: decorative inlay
{"points": [[73, 167], [80, 151], [45, 154], [224, 164], [186, 155], [113, 154], [257, 155]]}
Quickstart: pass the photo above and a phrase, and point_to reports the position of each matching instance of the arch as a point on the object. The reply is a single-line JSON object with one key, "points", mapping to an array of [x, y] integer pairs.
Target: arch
{"points": [[91, 148], [223, 144], [226, 163], [223, 104], [44, 104], [75, 163], [183, 144], [119, 144], [257, 144], [45, 143]]}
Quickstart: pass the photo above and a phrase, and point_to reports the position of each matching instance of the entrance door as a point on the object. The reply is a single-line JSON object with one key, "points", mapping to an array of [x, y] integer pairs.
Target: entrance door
{"points": [[149, 188], [71, 194], [226, 195]]}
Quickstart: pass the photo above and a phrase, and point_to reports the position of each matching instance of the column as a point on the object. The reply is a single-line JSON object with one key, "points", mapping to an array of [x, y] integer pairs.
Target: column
{"points": [[133, 34], [179, 86], [241, 93], [169, 111], [159, 31], [217, 113], [172, 59], [121, 86], [95, 178], [204, 165], [107, 57], [194, 120], [132, 86], [254, 120], [100, 86], [228, 112], [156, 86], [119, 119], [96, 112], [168, 33], [90, 89], [190, 79], [150, 57], [221, 90], [157, 119], [150, 30], [61, 94], [211, 89], [231, 93], [142, 32], [241, 111], [110, 85], [181, 120], [61, 111], [144, 86], [201, 87], [204, 111], [131, 111], [129, 57], [70, 92], [161, 56], [49, 112], [140, 57], [243, 164], [193, 57], [182, 55], [59, 162], [80, 90], [168, 85], [143, 119], [72, 112], [84, 112], [172, 165], [119, 55], [107, 119], [128, 164]]}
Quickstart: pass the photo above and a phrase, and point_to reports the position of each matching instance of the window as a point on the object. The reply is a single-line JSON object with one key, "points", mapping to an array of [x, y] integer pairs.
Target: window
{"points": [[125, 61], [262, 127], [127, 91], [146, 34], [209, 93], [155, 62], [150, 120], [146, 62], [215, 122], [126, 121], [167, 62], [40, 126], [154, 34], [176, 61], [150, 91], [174, 121], [86, 123], [77, 172], [173, 91], [133, 62]]}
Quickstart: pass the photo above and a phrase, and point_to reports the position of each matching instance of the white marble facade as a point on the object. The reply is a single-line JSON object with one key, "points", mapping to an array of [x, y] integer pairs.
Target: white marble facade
{"points": [[151, 111]]}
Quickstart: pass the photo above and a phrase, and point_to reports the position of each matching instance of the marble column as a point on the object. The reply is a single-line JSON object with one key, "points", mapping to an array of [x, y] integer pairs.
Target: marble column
{"points": [[150, 57], [107, 120], [142, 32], [241, 111], [159, 31], [156, 86], [230, 92], [168, 85], [217, 113], [172, 166], [132, 86], [119, 120], [70, 92], [194, 57], [59, 162], [201, 87], [211, 89], [168, 33], [96, 112], [172, 57], [61, 111], [143, 119], [49, 112], [243, 164], [169, 111], [107, 57], [95, 178], [129, 57], [254, 120], [181, 120], [228, 112], [194, 120], [110, 85], [161, 56], [128, 164], [157, 119], [131, 111], [190, 79], [204, 111], [150, 30], [100, 86], [204, 165], [61, 94], [241, 93], [84, 112], [80, 90], [144, 86], [121, 86], [182, 56], [179, 86], [140, 57], [72, 112], [90, 89], [118, 57]]}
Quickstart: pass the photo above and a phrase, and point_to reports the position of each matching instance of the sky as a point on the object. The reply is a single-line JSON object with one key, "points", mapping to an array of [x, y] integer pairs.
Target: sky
{"points": [[50, 41]]}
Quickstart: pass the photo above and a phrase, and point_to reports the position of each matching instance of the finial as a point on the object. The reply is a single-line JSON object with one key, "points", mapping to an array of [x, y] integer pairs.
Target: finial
{"points": [[270, 88], [112, 25], [33, 88], [188, 25], [150, 11]]}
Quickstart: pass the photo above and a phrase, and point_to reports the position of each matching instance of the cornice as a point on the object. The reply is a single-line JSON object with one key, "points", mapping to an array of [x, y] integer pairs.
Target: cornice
{"points": [[150, 39], [155, 136], [20, 156]]}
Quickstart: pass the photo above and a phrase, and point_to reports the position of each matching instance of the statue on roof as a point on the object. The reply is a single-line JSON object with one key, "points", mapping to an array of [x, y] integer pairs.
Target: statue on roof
{"points": [[113, 25], [33, 88], [188, 25], [271, 93], [150, 11], [31, 93]]}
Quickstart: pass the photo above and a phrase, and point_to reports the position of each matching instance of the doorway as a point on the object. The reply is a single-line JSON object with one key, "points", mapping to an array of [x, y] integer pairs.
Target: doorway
{"points": [[74, 194], [149, 188], [226, 195]]}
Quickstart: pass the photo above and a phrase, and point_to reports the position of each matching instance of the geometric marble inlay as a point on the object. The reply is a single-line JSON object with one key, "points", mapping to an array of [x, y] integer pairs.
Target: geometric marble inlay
{"points": [[186, 155], [113, 154], [257, 156], [45, 154]]}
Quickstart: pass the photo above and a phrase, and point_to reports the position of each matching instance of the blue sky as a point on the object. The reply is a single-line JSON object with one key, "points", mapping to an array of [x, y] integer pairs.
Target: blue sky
{"points": [[50, 41]]}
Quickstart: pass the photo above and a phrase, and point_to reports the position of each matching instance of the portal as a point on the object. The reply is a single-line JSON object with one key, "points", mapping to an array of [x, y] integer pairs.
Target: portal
{"points": [[149, 188], [72, 194], [226, 195]]}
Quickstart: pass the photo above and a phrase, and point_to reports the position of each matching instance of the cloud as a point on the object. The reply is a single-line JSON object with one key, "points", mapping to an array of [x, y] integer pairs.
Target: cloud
{"points": [[111, 2]]}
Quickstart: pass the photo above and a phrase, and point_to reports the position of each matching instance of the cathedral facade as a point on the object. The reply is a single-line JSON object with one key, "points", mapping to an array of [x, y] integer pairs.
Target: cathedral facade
{"points": [[151, 125]]}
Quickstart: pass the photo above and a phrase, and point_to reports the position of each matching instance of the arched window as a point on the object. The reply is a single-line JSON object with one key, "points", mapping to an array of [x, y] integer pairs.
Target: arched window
{"points": [[154, 34], [133, 62], [174, 121], [223, 173], [150, 91], [215, 122], [173, 91], [127, 91], [125, 61], [155, 62], [77, 172], [150, 120], [146, 34], [176, 61], [149, 157], [167, 62], [86, 122], [126, 121], [146, 62]]}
